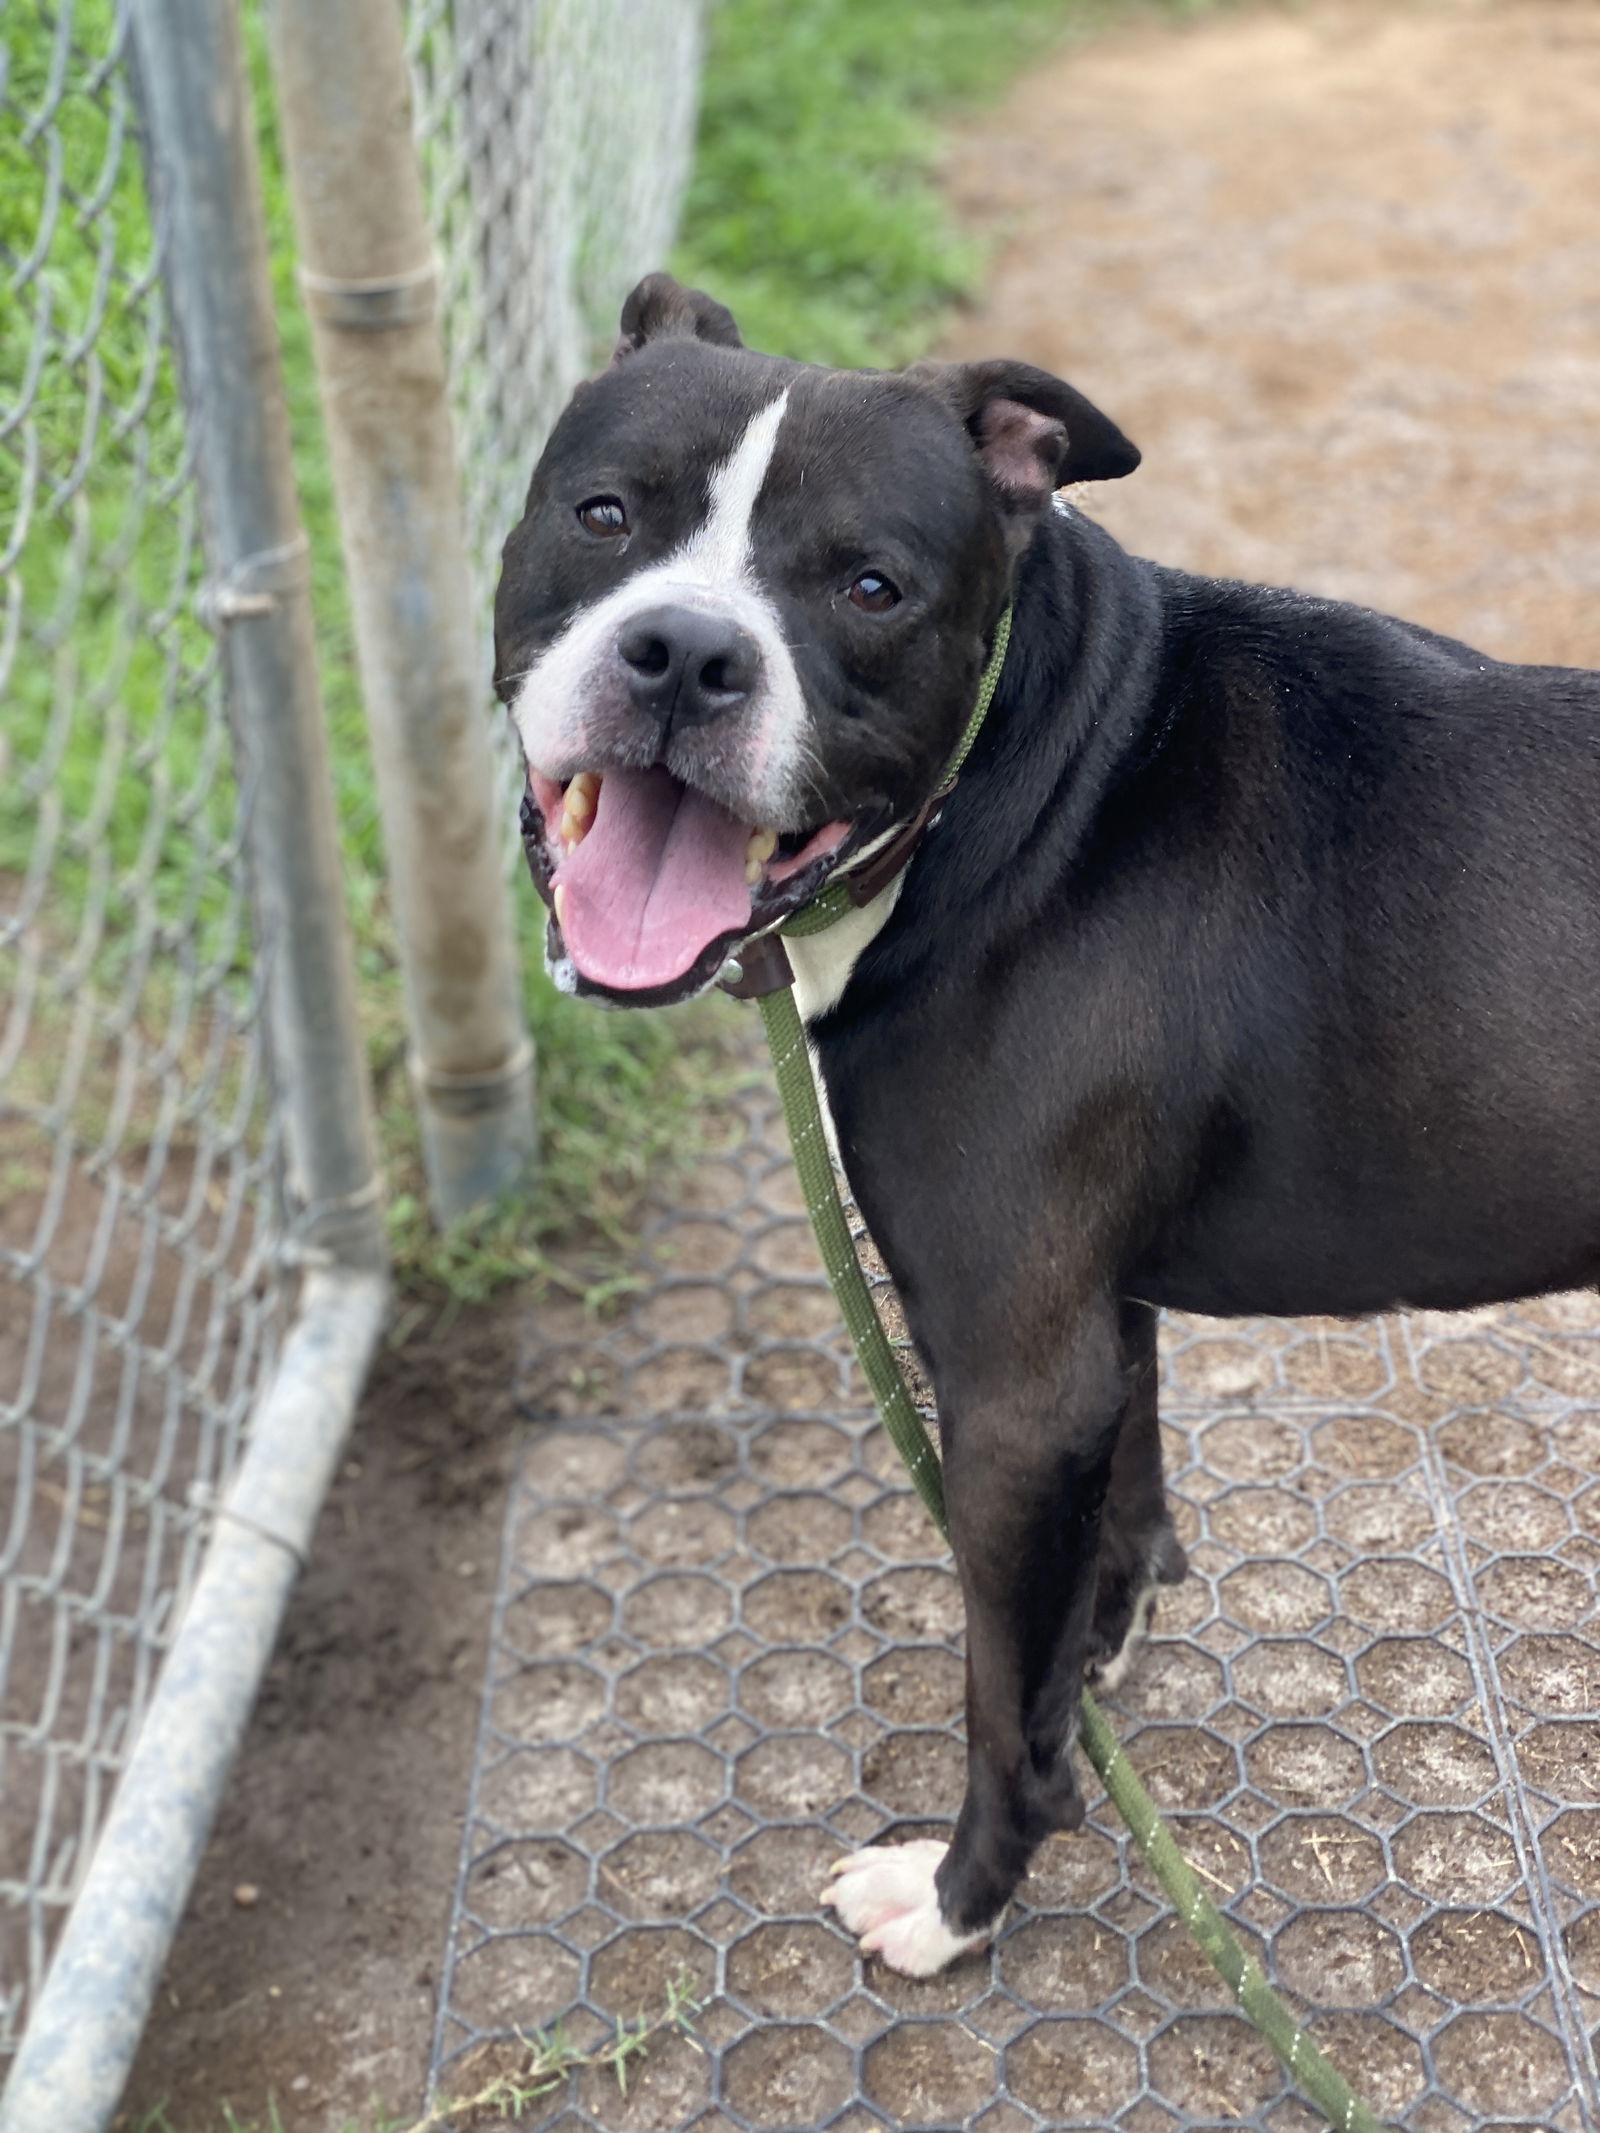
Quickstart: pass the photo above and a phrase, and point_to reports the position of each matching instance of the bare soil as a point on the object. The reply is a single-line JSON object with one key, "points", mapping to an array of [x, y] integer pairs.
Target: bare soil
{"points": [[344, 1811], [1337, 270], [1334, 269]]}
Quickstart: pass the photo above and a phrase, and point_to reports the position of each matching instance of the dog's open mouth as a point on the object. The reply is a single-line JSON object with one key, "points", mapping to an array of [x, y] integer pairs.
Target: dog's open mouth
{"points": [[652, 883]]}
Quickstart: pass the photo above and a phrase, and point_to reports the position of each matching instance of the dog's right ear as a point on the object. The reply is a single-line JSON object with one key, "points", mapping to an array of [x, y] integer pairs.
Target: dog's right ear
{"points": [[661, 309]]}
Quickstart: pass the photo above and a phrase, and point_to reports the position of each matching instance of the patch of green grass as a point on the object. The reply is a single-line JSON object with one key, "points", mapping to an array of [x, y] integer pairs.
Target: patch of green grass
{"points": [[813, 213], [107, 705], [623, 1101]]}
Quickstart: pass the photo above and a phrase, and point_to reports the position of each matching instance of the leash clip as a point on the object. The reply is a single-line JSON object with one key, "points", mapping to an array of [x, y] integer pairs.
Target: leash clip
{"points": [[763, 967]]}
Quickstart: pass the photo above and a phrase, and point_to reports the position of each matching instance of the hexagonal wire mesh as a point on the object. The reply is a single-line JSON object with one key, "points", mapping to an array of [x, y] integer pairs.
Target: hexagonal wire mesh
{"points": [[727, 1648], [140, 1289]]}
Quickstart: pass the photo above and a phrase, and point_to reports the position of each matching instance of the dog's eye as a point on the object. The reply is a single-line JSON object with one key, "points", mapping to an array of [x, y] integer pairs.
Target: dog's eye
{"points": [[873, 593], [603, 515]]}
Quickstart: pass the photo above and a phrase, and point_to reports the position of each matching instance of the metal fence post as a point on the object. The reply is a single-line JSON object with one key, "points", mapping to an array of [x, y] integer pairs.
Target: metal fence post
{"points": [[371, 286], [206, 196], [208, 207]]}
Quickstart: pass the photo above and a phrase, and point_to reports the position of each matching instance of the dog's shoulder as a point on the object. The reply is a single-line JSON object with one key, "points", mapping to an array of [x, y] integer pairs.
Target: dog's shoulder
{"points": [[1158, 722]]}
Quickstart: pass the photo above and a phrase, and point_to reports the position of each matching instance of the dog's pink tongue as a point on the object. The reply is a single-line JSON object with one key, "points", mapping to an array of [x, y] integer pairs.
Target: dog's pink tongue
{"points": [[658, 877]]}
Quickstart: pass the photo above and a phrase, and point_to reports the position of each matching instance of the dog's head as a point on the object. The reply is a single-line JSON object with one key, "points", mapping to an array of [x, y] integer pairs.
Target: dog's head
{"points": [[741, 624]]}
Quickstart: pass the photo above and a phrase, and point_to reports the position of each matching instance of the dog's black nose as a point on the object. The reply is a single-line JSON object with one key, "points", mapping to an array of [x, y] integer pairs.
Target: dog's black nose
{"points": [[684, 667]]}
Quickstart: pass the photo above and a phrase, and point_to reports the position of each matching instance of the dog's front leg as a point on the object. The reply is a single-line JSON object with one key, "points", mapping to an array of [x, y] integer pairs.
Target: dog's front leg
{"points": [[1027, 1458], [1139, 1548]]}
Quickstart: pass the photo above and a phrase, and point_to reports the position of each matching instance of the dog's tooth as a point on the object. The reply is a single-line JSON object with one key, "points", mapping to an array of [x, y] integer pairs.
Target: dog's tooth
{"points": [[763, 843], [559, 903], [579, 802]]}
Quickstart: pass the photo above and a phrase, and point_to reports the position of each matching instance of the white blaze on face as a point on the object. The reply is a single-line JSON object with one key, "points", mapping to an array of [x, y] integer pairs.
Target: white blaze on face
{"points": [[719, 554], [766, 744]]}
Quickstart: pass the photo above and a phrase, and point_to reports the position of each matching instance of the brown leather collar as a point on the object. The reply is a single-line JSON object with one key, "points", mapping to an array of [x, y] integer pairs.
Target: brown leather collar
{"points": [[869, 880], [764, 964]]}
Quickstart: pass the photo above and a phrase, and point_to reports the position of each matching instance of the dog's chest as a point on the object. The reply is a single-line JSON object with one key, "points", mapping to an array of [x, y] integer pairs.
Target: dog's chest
{"points": [[822, 962]]}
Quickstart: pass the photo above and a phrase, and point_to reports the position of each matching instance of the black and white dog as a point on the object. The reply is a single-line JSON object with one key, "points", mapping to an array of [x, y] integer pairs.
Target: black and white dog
{"points": [[1252, 967]]}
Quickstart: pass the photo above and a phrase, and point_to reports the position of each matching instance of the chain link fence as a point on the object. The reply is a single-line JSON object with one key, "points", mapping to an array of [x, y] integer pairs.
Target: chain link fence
{"points": [[556, 144], [142, 1230], [152, 1196]]}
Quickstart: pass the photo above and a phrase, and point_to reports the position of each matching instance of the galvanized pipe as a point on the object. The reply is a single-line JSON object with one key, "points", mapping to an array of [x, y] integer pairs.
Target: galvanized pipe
{"points": [[371, 288], [206, 201], [85, 2026]]}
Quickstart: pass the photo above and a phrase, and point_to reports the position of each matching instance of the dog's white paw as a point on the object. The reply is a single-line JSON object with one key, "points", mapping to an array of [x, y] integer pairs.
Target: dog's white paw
{"points": [[1111, 1673], [886, 1897]]}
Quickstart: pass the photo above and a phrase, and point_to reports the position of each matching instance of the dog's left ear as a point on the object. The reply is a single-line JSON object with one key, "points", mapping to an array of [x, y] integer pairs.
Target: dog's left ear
{"points": [[1033, 432], [661, 309]]}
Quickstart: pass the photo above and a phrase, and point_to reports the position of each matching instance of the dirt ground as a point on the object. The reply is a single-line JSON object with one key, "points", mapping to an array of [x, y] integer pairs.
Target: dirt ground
{"points": [[1337, 269], [345, 1809]]}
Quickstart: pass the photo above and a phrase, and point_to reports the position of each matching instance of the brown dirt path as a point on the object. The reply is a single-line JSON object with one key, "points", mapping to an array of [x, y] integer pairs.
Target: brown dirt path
{"points": [[1337, 270], [343, 1813]]}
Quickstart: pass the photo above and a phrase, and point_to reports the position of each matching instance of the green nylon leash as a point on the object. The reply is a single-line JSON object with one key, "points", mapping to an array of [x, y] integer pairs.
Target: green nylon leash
{"points": [[797, 1088], [835, 900]]}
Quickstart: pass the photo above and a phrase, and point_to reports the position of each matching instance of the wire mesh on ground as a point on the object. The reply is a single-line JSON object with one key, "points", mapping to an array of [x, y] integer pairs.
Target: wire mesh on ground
{"points": [[141, 1283], [727, 1648]]}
